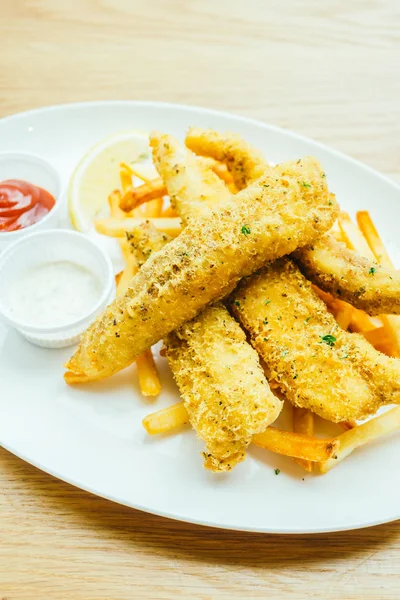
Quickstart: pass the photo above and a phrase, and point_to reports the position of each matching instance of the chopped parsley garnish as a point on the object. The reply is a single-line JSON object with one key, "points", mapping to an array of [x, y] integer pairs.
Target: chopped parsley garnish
{"points": [[323, 175], [265, 322], [328, 339], [277, 471], [245, 230], [306, 320], [284, 353], [237, 303], [330, 203], [371, 271], [267, 301], [295, 376], [344, 356], [305, 184]]}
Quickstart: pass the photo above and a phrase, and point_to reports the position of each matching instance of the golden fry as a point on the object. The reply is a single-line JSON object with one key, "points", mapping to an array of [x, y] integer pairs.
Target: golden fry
{"points": [[167, 419], [303, 422], [362, 434], [373, 238], [137, 196], [281, 442], [353, 237], [147, 373], [296, 445]]}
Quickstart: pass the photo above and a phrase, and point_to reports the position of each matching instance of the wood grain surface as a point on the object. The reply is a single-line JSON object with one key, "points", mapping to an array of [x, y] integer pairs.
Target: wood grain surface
{"points": [[329, 70]]}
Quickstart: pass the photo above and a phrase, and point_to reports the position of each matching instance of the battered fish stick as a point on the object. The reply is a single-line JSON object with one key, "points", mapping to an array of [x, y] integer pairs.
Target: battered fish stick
{"points": [[317, 365], [221, 381], [327, 263], [218, 374], [286, 208], [344, 273], [244, 162]]}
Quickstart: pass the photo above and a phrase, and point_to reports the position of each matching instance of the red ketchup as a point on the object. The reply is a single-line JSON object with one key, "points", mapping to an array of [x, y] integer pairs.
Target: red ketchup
{"points": [[22, 204]]}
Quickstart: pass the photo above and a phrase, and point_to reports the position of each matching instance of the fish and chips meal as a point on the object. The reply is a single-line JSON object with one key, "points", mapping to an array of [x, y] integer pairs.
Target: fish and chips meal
{"points": [[263, 293]]}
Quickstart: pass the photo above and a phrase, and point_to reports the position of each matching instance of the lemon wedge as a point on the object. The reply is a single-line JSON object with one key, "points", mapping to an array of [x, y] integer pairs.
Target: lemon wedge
{"points": [[97, 175]]}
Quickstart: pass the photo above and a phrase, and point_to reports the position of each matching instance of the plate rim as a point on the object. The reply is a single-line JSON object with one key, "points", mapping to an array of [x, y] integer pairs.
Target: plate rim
{"points": [[245, 120]]}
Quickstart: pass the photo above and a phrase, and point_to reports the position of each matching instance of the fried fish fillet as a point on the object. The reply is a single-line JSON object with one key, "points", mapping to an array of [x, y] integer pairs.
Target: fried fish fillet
{"points": [[316, 364], [217, 372], [221, 381], [335, 269], [344, 273], [285, 209], [244, 162]]}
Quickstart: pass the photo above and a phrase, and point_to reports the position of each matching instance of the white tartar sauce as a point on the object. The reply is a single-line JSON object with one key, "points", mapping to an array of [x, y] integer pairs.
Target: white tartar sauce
{"points": [[54, 294]]}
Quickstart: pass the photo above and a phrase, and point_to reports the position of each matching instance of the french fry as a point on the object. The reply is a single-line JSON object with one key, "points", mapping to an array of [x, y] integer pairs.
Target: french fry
{"points": [[223, 173], [280, 442], [360, 435], [343, 313], [118, 227], [149, 380], [153, 209], [167, 419], [125, 176], [296, 444], [379, 252], [169, 212], [377, 336], [373, 238], [361, 322], [353, 237], [113, 200], [116, 213], [137, 196], [303, 422]]}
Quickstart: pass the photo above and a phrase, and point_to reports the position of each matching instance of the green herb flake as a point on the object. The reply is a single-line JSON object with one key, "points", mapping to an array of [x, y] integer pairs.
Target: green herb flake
{"points": [[328, 339], [245, 230], [323, 175], [268, 301], [371, 271], [237, 303], [330, 203], [284, 353], [305, 184], [306, 320], [265, 322], [277, 471], [344, 356]]}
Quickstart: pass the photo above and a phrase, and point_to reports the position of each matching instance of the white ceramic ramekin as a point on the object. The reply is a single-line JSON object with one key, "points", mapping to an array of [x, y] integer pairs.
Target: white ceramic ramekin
{"points": [[46, 247], [36, 170]]}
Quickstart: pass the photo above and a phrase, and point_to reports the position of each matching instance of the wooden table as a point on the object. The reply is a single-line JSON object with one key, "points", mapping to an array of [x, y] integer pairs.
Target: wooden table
{"points": [[329, 70]]}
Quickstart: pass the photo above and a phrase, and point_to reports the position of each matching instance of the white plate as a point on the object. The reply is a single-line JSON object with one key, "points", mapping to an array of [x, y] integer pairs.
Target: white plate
{"points": [[92, 437]]}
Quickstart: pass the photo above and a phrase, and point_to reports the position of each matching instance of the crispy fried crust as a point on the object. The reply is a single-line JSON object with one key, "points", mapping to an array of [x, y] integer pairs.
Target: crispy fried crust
{"points": [[285, 209], [340, 377], [363, 283], [218, 374], [244, 162], [221, 381], [194, 189]]}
